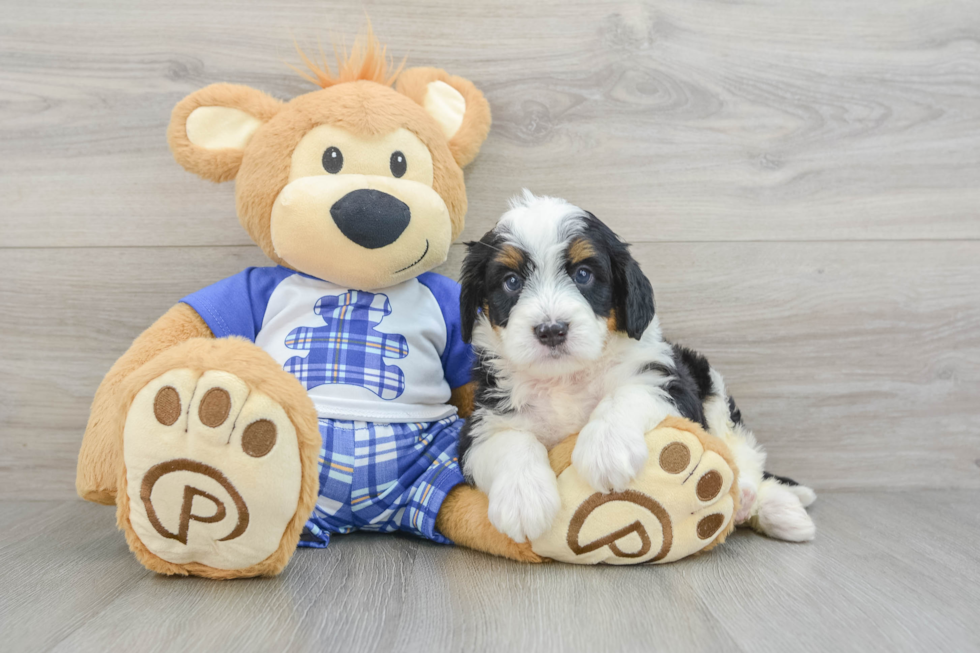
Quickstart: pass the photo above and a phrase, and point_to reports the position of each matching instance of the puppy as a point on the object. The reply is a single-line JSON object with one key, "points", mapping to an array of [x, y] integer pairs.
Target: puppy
{"points": [[563, 325]]}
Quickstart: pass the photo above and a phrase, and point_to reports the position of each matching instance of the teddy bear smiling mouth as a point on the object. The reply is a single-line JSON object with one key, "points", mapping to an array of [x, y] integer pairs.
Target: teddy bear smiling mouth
{"points": [[417, 261]]}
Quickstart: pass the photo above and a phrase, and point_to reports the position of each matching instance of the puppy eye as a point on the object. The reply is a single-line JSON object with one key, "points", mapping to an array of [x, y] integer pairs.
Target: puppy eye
{"points": [[333, 160], [398, 164], [583, 276], [512, 283]]}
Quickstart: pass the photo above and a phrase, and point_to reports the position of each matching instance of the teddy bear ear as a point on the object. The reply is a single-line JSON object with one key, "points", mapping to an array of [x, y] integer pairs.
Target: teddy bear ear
{"points": [[454, 103], [210, 128]]}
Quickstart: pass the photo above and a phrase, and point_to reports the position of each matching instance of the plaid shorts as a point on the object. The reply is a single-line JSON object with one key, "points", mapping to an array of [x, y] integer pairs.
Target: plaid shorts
{"points": [[384, 478]]}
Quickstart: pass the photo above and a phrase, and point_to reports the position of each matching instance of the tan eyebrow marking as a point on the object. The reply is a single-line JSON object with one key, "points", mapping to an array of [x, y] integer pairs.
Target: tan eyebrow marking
{"points": [[579, 250], [511, 257]]}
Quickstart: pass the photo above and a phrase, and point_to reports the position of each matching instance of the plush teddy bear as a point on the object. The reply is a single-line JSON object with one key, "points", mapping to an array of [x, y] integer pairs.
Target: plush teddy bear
{"points": [[325, 394]]}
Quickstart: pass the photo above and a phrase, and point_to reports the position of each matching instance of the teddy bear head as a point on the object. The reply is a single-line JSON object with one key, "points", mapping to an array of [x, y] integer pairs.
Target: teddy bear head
{"points": [[359, 183]]}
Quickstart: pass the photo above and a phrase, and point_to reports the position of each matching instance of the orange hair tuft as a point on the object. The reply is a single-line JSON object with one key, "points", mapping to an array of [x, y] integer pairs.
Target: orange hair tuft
{"points": [[368, 60]]}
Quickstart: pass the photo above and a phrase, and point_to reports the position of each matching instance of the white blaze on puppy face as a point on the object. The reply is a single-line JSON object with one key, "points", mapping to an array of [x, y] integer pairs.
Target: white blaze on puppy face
{"points": [[543, 228]]}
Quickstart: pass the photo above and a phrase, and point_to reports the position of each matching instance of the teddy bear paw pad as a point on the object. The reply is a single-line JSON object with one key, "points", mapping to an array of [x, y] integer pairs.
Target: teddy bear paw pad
{"points": [[679, 504], [213, 470]]}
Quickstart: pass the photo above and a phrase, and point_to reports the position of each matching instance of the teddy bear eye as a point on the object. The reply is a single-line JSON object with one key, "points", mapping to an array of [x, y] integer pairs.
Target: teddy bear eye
{"points": [[398, 164], [333, 160]]}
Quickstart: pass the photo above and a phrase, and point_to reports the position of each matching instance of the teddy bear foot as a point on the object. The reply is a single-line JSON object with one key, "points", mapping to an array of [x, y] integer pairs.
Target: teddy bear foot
{"points": [[681, 503], [213, 477]]}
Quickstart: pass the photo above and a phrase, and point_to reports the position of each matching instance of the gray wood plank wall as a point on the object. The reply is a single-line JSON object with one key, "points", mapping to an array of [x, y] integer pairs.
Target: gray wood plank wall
{"points": [[801, 180]]}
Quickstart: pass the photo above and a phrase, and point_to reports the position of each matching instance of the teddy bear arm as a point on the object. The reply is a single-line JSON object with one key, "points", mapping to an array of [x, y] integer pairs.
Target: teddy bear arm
{"points": [[463, 519], [462, 399], [100, 458]]}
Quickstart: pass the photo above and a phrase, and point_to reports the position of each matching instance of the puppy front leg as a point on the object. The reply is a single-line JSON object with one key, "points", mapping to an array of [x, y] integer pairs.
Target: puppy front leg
{"points": [[611, 448], [512, 468]]}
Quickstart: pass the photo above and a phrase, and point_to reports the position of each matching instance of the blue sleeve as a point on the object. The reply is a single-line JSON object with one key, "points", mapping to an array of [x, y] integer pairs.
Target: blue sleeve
{"points": [[457, 357], [236, 306]]}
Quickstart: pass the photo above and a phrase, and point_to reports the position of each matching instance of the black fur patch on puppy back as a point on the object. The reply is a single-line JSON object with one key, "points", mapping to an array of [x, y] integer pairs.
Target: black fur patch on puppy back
{"points": [[697, 368], [689, 384], [733, 411], [781, 479]]}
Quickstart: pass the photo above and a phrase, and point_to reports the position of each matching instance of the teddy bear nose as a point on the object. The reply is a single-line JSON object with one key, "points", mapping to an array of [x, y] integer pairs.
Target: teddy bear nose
{"points": [[370, 218]]}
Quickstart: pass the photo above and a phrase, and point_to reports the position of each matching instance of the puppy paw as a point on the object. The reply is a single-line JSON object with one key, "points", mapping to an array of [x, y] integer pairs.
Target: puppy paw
{"points": [[781, 515], [523, 504], [608, 456]]}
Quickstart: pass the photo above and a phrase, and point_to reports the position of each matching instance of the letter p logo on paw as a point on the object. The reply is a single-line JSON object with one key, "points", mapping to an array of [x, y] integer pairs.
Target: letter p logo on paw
{"points": [[187, 512], [679, 504]]}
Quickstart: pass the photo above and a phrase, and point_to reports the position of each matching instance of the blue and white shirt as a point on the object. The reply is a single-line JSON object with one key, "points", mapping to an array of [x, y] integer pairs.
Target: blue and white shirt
{"points": [[386, 356]]}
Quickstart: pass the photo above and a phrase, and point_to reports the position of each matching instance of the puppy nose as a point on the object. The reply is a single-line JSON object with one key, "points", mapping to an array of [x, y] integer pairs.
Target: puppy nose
{"points": [[370, 218], [552, 334]]}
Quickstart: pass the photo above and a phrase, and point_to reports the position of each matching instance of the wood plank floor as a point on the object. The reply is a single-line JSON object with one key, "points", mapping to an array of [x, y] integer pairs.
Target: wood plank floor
{"points": [[887, 572], [800, 179]]}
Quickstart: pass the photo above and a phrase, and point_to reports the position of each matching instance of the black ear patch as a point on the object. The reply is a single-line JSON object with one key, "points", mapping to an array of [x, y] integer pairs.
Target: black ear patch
{"points": [[633, 296], [473, 282], [632, 292]]}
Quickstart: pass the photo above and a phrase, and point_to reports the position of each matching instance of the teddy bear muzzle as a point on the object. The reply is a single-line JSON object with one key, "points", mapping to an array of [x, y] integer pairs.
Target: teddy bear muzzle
{"points": [[362, 231]]}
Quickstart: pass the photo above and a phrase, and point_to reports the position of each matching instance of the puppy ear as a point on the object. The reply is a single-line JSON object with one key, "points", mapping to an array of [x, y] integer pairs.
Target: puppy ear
{"points": [[632, 292], [633, 295], [456, 105], [210, 128], [473, 282]]}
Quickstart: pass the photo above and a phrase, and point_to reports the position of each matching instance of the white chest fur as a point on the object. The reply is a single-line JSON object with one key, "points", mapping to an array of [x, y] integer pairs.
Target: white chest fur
{"points": [[555, 408]]}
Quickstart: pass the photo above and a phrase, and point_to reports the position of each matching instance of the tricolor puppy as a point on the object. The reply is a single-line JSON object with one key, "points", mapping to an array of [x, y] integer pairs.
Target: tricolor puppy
{"points": [[562, 321]]}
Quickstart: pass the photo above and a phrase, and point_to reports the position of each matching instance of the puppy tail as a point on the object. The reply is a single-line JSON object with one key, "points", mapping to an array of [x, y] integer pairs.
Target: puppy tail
{"points": [[807, 495], [780, 512]]}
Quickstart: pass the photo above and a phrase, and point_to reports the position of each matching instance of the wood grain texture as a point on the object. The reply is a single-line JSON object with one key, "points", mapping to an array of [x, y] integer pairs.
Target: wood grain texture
{"points": [[857, 364], [770, 120], [863, 585], [800, 179]]}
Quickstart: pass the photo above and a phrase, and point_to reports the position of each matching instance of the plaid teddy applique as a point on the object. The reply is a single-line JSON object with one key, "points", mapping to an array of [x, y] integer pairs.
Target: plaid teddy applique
{"points": [[349, 349]]}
